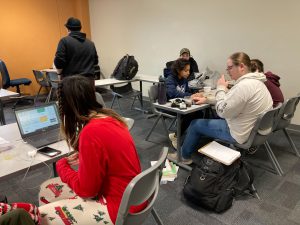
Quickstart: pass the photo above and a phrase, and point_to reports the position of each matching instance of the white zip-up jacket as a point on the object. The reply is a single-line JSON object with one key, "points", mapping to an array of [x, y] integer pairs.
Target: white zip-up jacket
{"points": [[243, 103]]}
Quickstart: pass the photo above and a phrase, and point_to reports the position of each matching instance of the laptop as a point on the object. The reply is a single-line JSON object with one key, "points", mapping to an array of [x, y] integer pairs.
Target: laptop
{"points": [[39, 125]]}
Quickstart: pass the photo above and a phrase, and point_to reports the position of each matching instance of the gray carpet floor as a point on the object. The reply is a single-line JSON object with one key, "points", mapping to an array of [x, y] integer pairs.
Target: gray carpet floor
{"points": [[280, 196]]}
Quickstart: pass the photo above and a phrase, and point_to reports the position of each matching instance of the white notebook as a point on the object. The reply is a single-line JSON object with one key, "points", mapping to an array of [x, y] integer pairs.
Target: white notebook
{"points": [[220, 153]]}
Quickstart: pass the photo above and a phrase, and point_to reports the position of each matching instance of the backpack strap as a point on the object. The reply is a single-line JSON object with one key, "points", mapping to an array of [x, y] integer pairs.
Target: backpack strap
{"points": [[244, 169]]}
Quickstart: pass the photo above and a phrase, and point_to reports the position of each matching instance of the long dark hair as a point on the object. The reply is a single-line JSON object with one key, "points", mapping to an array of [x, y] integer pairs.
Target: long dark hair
{"points": [[77, 106]]}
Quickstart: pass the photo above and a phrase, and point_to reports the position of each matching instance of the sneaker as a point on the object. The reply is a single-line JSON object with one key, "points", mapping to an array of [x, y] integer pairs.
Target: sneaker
{"points": [[252, 150], [173, 139], [173, 156]]}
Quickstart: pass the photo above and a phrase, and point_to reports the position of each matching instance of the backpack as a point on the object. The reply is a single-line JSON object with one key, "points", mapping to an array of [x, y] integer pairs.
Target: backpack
{"points": [[126, 68], [213, 185]]}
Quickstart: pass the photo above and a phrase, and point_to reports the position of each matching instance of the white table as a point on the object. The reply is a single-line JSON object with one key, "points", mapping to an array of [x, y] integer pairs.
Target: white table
{"points": [[179, 113], [16, 161], [139, 77], [5, 94]]}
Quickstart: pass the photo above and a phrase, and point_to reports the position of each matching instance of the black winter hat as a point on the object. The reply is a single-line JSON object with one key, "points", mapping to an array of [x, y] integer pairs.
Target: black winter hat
{"points": [[73, 24]]}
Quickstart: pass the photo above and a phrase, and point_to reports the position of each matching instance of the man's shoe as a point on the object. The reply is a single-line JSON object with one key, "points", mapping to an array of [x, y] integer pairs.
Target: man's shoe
{"points": [[173, 156], [173, 139]]}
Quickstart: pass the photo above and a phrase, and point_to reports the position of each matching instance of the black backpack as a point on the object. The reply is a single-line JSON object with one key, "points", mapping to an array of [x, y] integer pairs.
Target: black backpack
{"points": [[126, 68], [213, 185]]}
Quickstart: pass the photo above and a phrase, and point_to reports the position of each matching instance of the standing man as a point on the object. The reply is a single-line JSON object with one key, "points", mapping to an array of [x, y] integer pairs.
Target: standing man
{"points": [[75, 53]]}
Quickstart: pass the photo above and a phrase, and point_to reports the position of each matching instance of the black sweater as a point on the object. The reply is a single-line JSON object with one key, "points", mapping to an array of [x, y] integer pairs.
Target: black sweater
{"points": [[76, 55]]}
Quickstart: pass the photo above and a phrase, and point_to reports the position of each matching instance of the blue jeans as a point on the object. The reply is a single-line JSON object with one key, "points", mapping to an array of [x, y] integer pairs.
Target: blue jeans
{"points": [[200, 128]]}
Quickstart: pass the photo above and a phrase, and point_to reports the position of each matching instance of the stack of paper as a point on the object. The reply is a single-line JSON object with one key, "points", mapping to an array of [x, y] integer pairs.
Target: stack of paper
{"points": [[220, 153], [169, 172], [4, 145]]}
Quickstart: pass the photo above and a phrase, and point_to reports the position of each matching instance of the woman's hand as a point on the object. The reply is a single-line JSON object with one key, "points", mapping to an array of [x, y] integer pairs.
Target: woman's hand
{"points": [[199, 100], [199, 94], [222, 81], [73, 159]]}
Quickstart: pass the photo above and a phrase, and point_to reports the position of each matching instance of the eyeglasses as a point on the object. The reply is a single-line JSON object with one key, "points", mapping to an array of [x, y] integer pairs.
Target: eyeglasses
{"points": [[229, 67]]}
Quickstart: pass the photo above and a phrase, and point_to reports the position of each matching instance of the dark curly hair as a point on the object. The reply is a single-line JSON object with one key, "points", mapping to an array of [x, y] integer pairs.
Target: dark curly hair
{"points": [[77, 106], [179, 65]]}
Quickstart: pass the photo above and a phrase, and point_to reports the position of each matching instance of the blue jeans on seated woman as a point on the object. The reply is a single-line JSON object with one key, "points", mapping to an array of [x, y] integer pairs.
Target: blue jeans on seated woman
{"points": [[201, 128]]}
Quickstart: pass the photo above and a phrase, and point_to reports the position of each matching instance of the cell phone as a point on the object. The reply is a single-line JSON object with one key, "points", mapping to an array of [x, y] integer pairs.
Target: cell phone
{"points": [[51, 152]]}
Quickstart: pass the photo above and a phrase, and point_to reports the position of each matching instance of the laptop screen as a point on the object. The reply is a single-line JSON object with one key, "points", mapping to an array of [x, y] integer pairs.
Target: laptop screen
{"points": [[38, 118]]}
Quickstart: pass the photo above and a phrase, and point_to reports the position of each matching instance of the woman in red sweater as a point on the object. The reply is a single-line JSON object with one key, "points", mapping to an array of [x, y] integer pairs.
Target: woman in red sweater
{"points": [[106, 157]]}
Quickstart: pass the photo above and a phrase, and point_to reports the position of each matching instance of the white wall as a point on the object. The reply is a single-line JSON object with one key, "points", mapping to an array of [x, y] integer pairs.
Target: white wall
{"points": [[154, 31]]}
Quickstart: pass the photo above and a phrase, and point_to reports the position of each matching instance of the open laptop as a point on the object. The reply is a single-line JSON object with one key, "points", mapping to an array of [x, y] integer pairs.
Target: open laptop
{"points": [[39, 125]]}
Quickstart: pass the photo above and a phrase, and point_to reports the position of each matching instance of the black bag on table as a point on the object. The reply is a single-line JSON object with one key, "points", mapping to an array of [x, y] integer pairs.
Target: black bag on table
{"points": [[213, 185], [126, 68]]}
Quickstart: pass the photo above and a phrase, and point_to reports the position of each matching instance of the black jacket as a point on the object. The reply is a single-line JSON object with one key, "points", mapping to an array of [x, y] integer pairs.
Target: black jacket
{"points": [[177, 88], [76, 55]]}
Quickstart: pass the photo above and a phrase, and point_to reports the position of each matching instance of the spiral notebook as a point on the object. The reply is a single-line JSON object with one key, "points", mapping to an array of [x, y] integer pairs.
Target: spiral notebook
{"points": [[220, 153]]}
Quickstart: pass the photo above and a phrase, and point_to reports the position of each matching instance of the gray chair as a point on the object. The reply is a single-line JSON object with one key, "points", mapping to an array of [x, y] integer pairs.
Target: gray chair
{"points": [[53, 80], [129, 121], [284, 119], [125, 91], [260, 133], [153, 96], [42, 80], [144, 187]]}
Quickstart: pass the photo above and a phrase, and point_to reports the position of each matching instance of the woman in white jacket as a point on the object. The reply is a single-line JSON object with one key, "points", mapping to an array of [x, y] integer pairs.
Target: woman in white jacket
{"points": [[240, 107]]}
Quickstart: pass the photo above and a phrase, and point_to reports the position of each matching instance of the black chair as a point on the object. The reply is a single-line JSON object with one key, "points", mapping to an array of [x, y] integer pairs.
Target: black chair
{"points": [[42, 80], [7, 82], [125, 91]]}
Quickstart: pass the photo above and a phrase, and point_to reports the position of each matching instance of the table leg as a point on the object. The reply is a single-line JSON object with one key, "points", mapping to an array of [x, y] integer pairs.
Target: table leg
{"points": [[54, 170], [141, 99], [178, 161], [2, 118]]}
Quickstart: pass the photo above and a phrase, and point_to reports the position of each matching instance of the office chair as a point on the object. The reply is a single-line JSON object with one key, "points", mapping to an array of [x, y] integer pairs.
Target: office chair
{"points": [[7, 82], [144, 187], [42, 80], [125, 91]]}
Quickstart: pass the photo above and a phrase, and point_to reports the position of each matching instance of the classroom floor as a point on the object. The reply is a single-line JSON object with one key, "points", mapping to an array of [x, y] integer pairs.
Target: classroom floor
{"points": [[280, 196]]}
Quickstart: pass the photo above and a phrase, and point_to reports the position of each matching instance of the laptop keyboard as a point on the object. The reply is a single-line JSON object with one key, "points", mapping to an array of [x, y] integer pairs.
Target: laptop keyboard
{"points": [[43, 139]]}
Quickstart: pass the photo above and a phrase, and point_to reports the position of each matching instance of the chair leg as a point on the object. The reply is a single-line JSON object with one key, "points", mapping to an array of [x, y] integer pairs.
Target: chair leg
{"points": [[172, 123], [133, 102], [273, 158], [37, 95], [166, 129], [112, 102], [291, 142], [156, 217], [118, 102], [154, 125], [49, 96]]}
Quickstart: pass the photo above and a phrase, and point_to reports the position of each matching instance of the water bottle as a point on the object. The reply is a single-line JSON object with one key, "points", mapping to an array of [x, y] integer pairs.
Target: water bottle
{"points": [[162, 92]]}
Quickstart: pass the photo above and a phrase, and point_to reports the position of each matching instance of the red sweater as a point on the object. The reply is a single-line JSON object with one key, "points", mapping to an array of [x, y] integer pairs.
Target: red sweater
{"points": [[108, 162]]}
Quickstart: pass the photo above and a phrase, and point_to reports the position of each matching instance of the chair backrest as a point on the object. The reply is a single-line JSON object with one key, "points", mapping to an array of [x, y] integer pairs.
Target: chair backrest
{"points": [[122, 89], [287, 113], [4, 75], [129, 122], [144, 187], [99, 99], [153, 96], [52, 78], [40, 78], [263, 127]]}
